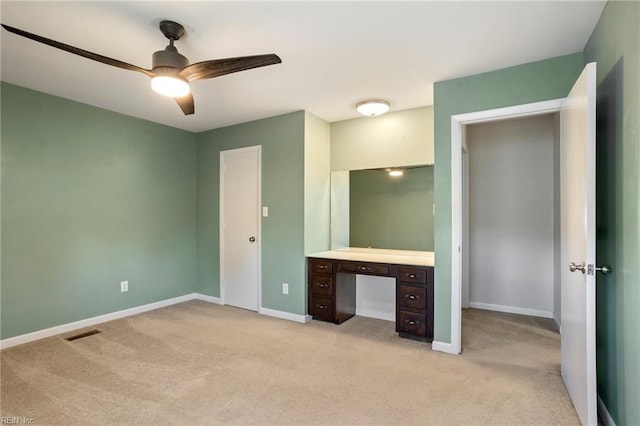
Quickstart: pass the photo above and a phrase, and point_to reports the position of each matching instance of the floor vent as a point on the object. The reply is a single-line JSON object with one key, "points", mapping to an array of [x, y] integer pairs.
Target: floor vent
{"points": [[81, 335]]}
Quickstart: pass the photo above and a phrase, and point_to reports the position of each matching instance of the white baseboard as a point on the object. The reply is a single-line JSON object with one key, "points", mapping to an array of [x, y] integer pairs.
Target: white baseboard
{"points": [[284, 315], [604, 415], [443, 347], [556, 322], [65, 328], [372, 313], [210, 299], [511, 310]]}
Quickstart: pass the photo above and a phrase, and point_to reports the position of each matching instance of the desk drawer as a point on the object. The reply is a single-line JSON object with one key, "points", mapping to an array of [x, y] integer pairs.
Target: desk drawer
{"points": [[322, 285], [321, 266], [364, 268], [322, 308], [410, 322], [412, 297], [410, 275]]}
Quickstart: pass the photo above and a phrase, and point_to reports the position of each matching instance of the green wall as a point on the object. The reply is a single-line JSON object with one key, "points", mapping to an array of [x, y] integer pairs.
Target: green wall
{"points": [[615, 46], [282, 140], [533, 82], [90, 198], [391, 212]]}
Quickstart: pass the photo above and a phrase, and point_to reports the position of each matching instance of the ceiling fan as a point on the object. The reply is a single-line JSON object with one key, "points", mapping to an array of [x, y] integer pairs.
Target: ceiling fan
{"points": [[171, 72]]}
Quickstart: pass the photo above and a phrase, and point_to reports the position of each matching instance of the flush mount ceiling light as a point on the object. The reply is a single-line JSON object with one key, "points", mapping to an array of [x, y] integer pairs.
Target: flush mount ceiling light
{"points": [[373, 107]]}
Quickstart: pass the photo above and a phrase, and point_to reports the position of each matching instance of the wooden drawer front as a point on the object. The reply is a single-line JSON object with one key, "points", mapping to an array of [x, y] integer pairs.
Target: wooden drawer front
{"points": [[364, 268], [321, 267], [412, 297], [413, 323], [321, 308], [322, 285], [413, 275]]}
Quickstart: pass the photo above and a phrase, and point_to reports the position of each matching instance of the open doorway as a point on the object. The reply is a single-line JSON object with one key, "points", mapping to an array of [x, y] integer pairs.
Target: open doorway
{"points": [[511, 217]]}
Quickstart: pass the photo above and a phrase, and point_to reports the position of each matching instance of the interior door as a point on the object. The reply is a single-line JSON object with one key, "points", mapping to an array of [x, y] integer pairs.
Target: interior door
{"points": [[578, 331], [239, 227]]}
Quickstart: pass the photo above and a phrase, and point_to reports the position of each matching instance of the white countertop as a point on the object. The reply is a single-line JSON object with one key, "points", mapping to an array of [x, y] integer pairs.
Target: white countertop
{"points": [[397, 257]]}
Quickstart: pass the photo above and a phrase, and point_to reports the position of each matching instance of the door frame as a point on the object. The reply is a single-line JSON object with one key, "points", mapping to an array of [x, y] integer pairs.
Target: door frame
{"points": [[257, 148], [458, 123]]}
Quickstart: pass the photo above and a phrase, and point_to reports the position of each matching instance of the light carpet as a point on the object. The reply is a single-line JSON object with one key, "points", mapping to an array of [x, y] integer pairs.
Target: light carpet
{"points": [[200, 363]]}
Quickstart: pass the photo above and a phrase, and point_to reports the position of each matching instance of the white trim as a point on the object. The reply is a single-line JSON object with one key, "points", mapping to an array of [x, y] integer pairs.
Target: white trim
{"points": [[374, 313], [444, 347], [457, 123], [257, 148], [511, 310], [603, 413], [556, 322], [206, 298], [64, 328], [284, 315]]}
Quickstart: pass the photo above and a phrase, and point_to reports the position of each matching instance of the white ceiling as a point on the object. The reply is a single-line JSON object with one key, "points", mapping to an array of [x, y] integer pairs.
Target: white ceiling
{"points": [[334, 53]]}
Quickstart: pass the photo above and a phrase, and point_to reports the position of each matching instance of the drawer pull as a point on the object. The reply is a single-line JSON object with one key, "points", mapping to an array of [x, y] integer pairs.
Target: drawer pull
{"points": [[412, 276], [321, 306], [322, 285], [411, 322], [322, 266], [364, 268], [411, 296]]}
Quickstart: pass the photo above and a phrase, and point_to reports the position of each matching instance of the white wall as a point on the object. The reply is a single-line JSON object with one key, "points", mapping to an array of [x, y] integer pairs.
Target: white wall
{"points": [[511, 215], [399, 138], [340, 209], [317, 184]]}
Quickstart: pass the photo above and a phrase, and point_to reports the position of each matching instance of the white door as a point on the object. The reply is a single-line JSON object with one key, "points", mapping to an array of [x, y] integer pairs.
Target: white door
{"points": [[577, 121], [240, 227]]}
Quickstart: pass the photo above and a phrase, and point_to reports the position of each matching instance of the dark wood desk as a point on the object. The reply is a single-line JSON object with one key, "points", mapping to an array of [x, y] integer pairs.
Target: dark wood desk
{"points": [[332, 289]]}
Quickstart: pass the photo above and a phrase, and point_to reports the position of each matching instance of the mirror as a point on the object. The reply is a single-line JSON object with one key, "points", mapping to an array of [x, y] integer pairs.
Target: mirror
{"points": [[370, 208]]}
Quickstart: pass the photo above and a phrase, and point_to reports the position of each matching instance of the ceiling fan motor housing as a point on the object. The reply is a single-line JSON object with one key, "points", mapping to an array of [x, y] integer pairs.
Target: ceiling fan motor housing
{"points": [[169, 58]]}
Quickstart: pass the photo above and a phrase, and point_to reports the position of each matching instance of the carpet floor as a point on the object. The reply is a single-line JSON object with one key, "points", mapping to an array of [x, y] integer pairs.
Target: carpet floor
{"points": [[200, 363]]}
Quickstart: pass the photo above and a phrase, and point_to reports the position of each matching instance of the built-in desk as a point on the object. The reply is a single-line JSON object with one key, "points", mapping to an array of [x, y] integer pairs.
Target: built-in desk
{"points": [[332, 286]]}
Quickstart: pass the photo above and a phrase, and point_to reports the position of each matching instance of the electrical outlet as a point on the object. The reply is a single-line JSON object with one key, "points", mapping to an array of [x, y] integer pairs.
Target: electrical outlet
{"points": [[124, 286], [285, 288]]}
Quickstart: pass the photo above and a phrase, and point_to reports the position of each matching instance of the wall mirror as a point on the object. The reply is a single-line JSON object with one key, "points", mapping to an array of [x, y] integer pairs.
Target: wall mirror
{"points": [[373, 209]]}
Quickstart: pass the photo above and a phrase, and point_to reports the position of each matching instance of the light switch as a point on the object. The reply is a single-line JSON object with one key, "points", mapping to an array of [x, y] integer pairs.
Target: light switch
{"points": [[265, 211]]}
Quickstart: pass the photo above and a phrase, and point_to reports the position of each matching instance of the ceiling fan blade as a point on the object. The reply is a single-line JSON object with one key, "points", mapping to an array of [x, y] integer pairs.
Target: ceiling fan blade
{"points": [[218, 67], [77, 51], [186, 104]]}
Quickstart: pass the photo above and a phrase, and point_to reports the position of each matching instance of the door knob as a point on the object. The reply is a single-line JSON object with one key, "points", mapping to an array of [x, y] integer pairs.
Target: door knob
{"points": [[604, 269], [577, 267], [252, 239]]}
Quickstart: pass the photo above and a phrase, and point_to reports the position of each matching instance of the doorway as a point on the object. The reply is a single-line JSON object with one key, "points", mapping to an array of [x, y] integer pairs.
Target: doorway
{"points": [[458, 130], [511, 216], [240, 227]]}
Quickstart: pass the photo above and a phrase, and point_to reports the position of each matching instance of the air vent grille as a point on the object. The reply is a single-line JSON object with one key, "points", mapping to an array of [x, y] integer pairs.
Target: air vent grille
{"points": [[81, 335]]}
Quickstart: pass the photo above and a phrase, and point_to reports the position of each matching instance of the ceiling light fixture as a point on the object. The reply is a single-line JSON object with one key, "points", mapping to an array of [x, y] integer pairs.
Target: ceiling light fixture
{"points": [[373, 107], [173, 87]]}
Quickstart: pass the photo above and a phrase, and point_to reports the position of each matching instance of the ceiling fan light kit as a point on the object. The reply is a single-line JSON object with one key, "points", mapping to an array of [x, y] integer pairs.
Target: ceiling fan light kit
{"points": [[373, 107], [167, 85], [171, 72]]}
